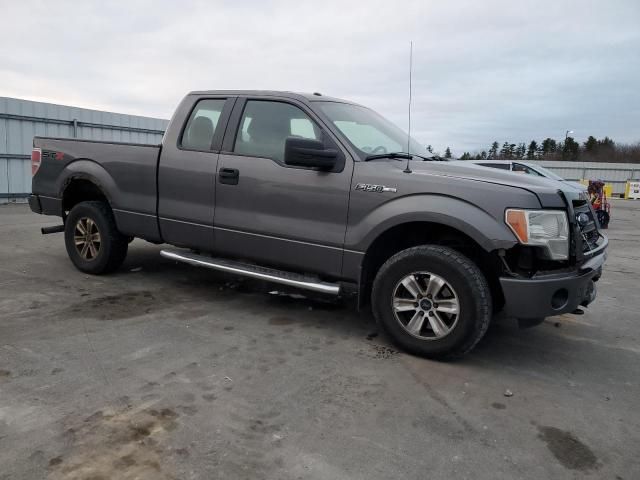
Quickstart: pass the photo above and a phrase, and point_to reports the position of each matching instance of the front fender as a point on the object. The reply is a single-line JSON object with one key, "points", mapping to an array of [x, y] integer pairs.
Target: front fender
{"points": [[488, 232]]}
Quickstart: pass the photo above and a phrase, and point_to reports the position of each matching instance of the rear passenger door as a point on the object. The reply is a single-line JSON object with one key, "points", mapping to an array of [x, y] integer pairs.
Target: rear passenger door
{"points": [[187, 171], [273, 213]]}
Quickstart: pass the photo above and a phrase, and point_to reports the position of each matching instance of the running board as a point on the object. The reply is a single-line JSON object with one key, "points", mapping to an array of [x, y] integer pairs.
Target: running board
{"points": [[253, 271]]}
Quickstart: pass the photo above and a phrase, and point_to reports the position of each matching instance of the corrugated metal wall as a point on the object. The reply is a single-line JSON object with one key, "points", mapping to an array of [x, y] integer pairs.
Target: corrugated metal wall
{"points": [[616, 174], [21, 120]]}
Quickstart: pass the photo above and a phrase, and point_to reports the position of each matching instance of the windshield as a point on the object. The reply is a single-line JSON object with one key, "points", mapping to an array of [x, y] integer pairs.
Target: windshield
{"points": [[547, 173], [367, 131]]}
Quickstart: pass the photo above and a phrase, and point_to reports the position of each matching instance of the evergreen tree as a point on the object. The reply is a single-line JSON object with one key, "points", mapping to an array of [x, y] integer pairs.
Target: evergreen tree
{"points": [[606, 142], [532, 151], [520, 151], [493, 151], [465, 156], [570, 150], [447, 153], [591, 145], [483, 155], [549, 146], [506, 152]]}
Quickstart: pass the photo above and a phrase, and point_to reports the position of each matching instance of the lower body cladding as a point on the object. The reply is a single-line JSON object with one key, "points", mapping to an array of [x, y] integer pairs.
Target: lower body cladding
{"points": [[531, 300]]}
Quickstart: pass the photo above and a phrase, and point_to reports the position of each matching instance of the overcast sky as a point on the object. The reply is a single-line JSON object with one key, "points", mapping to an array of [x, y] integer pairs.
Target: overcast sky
{"points": [[483, 70]]}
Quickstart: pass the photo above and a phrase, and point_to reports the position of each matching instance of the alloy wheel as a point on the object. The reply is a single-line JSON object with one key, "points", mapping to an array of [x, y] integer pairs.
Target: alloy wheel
{"points": [[426, 305], [87, 238]]}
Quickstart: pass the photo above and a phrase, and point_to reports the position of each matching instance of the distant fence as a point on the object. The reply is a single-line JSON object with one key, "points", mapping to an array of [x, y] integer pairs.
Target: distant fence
{"points": [[21, 120], [617, 174]]}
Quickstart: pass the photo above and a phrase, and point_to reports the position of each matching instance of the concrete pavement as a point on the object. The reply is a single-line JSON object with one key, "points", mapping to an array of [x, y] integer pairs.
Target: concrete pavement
{"points": [[167, 371]]}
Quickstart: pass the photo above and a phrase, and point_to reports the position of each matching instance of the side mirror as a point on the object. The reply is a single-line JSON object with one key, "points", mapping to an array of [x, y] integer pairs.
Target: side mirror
{"points": [[306, 152]]}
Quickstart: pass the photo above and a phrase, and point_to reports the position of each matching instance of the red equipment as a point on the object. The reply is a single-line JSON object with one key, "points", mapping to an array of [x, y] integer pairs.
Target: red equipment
{"points": [[600, 202]]}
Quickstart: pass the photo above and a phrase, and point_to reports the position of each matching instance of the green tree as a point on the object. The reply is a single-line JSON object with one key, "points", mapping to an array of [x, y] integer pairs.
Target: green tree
{"points": [[606, 142], [520, 151], [549, 147], [465, 156], [532, 151], [493, 151], [570, 150], [591, 145], [507, 150], [447, 153]]}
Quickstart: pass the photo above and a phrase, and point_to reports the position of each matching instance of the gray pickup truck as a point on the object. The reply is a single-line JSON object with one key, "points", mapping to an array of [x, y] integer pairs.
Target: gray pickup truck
{"points": [[320, 193]]}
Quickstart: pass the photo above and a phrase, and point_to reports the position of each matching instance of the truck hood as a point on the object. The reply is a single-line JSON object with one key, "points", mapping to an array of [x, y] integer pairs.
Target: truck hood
{"points": [[471, 171], [545, 189]]}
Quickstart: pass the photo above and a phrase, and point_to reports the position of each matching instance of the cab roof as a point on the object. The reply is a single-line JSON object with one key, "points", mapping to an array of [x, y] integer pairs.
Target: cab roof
{"points": [[305, 97]]}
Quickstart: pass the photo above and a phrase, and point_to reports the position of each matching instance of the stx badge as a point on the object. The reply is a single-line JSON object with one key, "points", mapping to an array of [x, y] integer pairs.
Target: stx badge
{"points": [[367, 187]]}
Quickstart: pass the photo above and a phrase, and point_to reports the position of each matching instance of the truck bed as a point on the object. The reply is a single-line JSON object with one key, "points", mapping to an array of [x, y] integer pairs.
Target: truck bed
{"points": [[125, 172]]}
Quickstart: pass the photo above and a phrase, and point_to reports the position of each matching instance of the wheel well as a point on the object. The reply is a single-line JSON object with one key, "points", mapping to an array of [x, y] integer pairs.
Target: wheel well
{"points": [[81, 190], [412, 234]]}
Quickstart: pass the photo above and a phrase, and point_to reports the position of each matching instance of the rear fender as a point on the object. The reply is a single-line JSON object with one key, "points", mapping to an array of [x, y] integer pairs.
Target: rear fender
{"points": [[86, 169]]}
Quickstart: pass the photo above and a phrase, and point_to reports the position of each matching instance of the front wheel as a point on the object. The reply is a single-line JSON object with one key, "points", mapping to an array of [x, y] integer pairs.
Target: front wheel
{"points": [[93, 241], [432, 301]]}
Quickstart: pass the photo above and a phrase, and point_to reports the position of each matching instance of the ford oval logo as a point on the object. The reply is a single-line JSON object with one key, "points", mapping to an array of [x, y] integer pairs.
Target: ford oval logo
{"points": [[583, 219]]}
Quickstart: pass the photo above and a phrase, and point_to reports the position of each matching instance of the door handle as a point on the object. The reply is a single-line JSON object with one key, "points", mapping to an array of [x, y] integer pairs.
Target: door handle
{"points": [[230, 176]]}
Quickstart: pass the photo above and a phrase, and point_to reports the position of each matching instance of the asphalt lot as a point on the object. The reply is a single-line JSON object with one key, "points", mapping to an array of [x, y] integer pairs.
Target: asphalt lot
{"points": [[167, 371]]}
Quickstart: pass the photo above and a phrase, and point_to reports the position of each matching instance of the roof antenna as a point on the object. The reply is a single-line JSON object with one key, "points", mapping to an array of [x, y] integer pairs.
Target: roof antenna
{"points": [[407, 169]]}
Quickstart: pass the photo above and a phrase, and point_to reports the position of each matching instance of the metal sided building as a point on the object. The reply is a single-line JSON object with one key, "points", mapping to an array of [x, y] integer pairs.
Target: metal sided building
{"points": [[615, 174], [21, 120]]}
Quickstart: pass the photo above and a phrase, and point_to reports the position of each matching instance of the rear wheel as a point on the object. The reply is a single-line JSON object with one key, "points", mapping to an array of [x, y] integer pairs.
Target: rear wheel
{"points": [[432, 301], [93, 241]]}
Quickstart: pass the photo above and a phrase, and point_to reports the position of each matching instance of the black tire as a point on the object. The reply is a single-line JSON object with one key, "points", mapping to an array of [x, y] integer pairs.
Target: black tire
{"points": [[466, 279], [112, 247]]}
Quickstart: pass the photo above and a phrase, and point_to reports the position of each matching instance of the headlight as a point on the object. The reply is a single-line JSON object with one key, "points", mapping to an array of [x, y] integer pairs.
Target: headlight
{"points": [[541, 228]]}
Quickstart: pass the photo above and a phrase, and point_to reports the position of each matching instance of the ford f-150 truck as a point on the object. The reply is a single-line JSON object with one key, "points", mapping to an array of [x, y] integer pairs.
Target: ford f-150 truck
{"points": [[324, 194]]}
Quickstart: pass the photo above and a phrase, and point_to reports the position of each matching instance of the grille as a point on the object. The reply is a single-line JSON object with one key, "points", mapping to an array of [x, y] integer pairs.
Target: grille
{"points": [[587, 223]]}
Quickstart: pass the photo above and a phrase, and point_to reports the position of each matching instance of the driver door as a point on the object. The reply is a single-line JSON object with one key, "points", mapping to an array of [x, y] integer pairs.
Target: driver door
{"points": [[272, 213]]}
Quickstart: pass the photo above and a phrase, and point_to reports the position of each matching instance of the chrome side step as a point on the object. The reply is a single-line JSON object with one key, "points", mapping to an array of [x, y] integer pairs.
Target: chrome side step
{"points": [[253, 271]]}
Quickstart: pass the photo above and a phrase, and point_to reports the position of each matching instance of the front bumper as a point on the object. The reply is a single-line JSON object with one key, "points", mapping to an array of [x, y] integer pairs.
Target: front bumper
{"points": [[554, 294]]}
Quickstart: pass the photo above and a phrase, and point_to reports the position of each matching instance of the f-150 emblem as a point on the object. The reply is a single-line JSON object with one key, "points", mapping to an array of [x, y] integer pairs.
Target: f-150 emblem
{"points": [[367, 187]]}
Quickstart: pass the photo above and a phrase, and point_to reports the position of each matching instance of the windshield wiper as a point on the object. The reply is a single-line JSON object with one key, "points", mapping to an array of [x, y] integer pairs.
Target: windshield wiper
{"points": [[401, 155], [404, 155]]}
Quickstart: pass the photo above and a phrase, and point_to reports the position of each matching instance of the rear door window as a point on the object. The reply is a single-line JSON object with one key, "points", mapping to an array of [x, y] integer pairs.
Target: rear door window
{"points": [[202, 124]]}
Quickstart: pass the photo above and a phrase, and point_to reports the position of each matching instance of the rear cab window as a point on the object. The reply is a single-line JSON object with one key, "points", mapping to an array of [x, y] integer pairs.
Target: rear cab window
{"points": [[202, 124]]}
